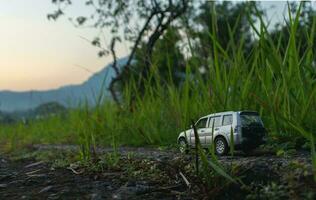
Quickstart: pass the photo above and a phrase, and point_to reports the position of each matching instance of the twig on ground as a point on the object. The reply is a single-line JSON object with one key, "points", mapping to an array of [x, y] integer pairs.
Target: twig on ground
{"points": [[185, 180], [74, 171], [33, 172], [34, 164]]}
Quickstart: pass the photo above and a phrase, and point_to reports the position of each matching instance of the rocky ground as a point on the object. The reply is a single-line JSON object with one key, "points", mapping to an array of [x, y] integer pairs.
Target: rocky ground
{"points": [[54, 172]]}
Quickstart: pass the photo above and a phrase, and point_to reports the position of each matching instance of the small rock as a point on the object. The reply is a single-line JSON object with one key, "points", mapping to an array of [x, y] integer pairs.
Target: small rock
{"points": [[96, 196], [3, 185], [53, 196]]}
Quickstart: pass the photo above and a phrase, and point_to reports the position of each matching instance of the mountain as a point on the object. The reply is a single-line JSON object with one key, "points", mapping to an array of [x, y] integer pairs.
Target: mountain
{"points": [[69, 96]]}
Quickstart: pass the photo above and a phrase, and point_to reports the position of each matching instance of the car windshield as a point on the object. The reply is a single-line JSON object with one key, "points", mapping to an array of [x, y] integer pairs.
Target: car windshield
{"points": [[250, 119]]}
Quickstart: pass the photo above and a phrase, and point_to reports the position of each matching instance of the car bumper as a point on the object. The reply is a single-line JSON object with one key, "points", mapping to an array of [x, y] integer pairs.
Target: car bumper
{"points": [[250, 143]]}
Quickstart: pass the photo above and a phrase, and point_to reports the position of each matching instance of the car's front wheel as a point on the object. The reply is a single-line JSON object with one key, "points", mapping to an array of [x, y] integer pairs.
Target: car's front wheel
{"points": [[221, 147], [183, 146]]}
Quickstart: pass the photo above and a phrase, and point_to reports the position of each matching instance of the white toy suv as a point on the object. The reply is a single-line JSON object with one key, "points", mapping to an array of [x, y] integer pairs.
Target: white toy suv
{"points": [[247, 127]]}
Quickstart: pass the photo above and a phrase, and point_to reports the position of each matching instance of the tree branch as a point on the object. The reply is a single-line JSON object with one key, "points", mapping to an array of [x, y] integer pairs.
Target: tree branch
{"points": [[159, 31], [130, 58], [114, 65], [175, 12]]}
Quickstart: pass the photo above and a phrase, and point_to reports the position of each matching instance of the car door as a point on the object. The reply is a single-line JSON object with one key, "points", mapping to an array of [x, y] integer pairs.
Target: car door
{"points": [[216, 121], [201, 127], [227, 125]]}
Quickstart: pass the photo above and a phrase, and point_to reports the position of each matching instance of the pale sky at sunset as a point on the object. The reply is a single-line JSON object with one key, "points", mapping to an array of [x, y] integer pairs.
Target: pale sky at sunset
{"points": [[39, 54]]}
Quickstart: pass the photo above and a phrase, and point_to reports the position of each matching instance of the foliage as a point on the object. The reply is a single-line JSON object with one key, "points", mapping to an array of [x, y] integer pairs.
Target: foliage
{"points": [[6, 118], [42, 111], [49, 108], [167, 58], [270, 191]]}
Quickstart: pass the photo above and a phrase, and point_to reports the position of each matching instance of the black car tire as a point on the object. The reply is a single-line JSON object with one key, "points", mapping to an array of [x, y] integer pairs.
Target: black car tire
{"points": [[183, 146], [221, 146]]}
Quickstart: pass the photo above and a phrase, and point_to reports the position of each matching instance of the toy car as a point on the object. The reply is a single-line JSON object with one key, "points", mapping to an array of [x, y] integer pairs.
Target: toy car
{"points": [[246, 126]]}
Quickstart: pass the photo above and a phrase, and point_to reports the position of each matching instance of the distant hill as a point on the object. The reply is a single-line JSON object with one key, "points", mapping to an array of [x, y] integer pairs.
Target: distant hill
{"points": [[68, 96]]}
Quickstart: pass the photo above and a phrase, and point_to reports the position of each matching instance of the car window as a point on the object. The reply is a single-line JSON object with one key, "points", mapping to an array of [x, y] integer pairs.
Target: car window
{"points": [[227, 120], [201, 123], [210, 123], [250, 119], [216, 120]]}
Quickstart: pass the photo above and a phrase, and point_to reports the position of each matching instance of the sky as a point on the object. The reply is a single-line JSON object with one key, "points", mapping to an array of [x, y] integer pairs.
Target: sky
{"points": [[37, 54]]}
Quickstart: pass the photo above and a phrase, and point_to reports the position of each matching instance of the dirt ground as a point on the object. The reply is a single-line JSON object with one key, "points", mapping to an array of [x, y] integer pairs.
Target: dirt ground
{"points": [[149, 173]]}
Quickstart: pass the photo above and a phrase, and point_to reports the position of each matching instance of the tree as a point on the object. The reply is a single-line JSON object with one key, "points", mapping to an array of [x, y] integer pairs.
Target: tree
{"points": [[167, 59], [50, 108], [151, 18], [228, 23], [307, 21]]}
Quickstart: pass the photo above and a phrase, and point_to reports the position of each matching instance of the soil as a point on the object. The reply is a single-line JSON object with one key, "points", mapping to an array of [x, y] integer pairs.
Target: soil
{"points": [[150, 173]]}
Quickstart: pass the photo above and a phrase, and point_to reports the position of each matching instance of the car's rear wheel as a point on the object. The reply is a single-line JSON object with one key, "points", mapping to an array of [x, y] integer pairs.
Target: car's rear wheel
{"points": [[221, 147], [183, 146]]}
